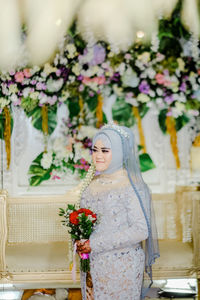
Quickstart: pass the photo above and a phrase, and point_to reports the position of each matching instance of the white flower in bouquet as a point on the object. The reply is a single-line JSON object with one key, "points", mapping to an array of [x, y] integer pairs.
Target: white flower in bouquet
{"points": [[131, 101], [86, 131], [152, 93], [159, 92], [54, 85], [117, 90], [14, 98], [76, 69], [181, 64], [130, 78], [78, 146], [85, 153], [195, 87], [13, 88], [3, 102], [64, 96], [178, 110], [150, 73], [48, 69], [143, 98], [26, 92], [5, 90], [144, 57], [34, 95], [71, 50], [121, 68], [182, 97], [46, 160], [43, 98]]}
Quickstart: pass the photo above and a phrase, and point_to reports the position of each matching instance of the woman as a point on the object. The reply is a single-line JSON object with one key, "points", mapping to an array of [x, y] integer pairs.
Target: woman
{"points": [[122, 202]]}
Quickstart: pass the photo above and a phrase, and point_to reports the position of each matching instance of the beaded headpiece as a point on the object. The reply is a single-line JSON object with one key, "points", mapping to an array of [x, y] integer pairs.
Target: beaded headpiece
{"points": [[112, 125]]}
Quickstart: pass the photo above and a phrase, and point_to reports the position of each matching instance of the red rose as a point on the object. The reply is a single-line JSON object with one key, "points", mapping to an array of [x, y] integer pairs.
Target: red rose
{"points": [[87, 212], [73, 218]]}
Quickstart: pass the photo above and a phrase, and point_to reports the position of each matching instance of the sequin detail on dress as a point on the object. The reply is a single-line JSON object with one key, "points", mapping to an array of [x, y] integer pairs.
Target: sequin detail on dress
{"points": [[117, 260]]}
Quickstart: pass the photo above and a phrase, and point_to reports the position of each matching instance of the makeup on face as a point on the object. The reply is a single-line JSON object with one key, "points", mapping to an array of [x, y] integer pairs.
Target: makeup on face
{"points": [[101, 156]]}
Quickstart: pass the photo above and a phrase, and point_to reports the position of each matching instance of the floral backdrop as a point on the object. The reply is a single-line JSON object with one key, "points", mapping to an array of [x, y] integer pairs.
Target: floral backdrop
{"points": [[164, 74]]}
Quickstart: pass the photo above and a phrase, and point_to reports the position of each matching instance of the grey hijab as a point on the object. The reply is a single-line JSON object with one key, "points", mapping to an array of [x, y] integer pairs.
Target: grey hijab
{"points": [[112, 140]]}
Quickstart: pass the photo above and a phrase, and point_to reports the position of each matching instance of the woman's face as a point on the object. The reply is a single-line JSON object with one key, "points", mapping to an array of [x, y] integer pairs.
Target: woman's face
{"points": [[101, 156]]}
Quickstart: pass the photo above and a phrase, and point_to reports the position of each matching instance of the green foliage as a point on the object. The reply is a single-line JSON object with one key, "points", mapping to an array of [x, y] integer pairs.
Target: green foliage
{"points": [[122, 113], [181, 121], [170, 32], [146, 162], [36, 116], [38, 173], [162, 120]]}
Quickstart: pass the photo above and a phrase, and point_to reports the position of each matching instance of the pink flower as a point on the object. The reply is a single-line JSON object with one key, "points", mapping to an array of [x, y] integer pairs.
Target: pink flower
{"points": [[27, 73], [160, 78], [19, 76], [86, 167], [99, 80], [127, 56], [82, 161], [169, 113], [55, 177], [86, 80], [81, 88]]}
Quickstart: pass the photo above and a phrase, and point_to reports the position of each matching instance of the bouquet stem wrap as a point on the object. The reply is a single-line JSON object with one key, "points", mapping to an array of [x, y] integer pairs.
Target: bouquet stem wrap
{"points": [[84, 263]]}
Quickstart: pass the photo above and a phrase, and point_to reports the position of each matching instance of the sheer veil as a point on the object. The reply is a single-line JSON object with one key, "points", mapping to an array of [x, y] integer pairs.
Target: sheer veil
{"points": [[131, 164]]}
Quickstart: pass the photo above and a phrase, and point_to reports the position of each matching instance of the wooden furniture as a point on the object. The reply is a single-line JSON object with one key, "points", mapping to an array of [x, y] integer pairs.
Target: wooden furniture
{"points": [[34, 248]]}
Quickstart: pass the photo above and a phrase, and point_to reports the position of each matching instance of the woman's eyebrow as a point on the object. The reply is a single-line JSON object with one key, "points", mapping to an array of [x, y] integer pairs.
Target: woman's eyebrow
{"points": [[103, 148]]}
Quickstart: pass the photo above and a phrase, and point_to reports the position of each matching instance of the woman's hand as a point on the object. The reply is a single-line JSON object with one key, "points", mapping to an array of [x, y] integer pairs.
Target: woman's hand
{"points": [[83, 247]]}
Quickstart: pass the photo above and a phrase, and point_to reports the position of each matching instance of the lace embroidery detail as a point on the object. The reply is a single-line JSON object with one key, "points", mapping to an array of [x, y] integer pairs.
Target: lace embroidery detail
{"points": [[117, 263]]}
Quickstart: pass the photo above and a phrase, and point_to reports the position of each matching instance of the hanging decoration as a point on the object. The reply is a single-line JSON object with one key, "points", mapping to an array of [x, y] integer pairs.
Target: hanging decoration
{"points": [[140, 129], [99, 111], [171, 130], [7, 134]]}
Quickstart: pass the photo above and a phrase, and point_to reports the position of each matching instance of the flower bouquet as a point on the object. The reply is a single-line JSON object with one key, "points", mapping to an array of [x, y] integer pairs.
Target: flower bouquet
{"points": [[80, 223]]}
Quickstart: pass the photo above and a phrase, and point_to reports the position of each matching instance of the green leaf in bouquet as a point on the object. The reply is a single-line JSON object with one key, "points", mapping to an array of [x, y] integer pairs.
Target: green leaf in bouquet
{"points": [[37, 170], [143, 109], [35, 180], [162, 120], [146, 162], [71, 207], [92, 102], [38, 158], [74, 108], [74, 236], [29, 104], [181, 121], [122, 113], [36, 115]]}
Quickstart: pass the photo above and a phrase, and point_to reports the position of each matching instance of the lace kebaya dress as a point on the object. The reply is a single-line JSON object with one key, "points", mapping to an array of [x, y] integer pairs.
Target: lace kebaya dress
{"points": [[116, 259]]}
